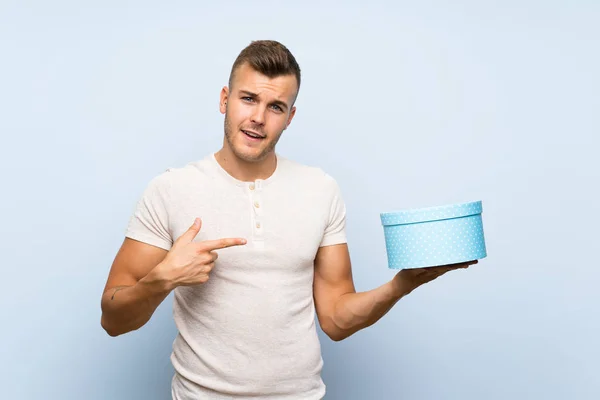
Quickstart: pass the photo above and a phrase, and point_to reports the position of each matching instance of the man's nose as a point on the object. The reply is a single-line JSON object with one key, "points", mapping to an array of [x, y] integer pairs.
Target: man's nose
{"points": [[258, 117]]}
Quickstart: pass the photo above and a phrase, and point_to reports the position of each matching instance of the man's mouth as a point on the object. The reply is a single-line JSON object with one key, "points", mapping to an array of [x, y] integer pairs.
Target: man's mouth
{"points": [[253, 135]]}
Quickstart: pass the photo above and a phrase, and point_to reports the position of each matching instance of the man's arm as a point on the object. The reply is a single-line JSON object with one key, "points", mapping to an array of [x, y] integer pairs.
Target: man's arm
{"points": [[341, 310], [143, 275], [129, 300]]}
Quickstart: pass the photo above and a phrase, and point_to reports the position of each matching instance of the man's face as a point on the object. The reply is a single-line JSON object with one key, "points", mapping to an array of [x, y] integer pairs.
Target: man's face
{"points": [[257, 110]]}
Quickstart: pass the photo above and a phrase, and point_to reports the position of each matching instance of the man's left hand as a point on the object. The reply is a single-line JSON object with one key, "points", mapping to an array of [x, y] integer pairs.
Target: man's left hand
{"points": [[408, 280]]}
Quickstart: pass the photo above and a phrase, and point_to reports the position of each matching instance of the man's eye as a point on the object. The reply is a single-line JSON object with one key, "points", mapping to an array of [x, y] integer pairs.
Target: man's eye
{"points": [[277, 108], [246, 98]]}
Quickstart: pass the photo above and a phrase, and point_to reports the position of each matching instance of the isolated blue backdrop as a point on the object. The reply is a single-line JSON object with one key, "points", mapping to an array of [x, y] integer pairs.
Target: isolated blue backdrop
{"points": [[407, 105]]}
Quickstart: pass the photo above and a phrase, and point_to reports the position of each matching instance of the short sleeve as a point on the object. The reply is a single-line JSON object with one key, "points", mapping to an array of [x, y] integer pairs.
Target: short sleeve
{"points": [[335, 230], [149, 222]]}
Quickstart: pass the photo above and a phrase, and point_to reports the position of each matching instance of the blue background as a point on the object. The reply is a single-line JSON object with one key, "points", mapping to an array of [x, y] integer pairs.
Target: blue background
{"points": [[406, 104]]}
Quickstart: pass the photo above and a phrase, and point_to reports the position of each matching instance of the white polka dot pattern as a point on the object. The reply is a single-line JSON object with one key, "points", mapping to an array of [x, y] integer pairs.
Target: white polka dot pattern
{"points": [[431, 213], [434, 236]]}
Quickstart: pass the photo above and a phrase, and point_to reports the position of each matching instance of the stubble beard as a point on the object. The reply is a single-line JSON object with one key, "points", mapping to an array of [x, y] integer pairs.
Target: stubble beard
{"points": [[229, 132]]}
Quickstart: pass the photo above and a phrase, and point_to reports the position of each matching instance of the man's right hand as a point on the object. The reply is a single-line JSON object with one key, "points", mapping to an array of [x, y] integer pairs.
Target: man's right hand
{"points": [[188, 263]]}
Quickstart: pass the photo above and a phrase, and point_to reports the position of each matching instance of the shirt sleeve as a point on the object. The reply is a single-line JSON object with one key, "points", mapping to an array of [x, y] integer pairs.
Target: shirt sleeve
{"points": [[335, 230], [149, 222]]}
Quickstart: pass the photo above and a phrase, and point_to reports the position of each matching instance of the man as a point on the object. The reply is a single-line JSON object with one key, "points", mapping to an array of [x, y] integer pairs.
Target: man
{"points": [[253, 245]]}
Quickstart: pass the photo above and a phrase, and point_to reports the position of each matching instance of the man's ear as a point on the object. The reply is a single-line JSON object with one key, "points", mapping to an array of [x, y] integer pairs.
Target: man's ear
{"points": [[223, 99], [289, 121]]}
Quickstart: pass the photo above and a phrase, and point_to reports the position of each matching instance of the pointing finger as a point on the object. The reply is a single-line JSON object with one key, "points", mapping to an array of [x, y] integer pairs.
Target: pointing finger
{"points": [[222, 243]]}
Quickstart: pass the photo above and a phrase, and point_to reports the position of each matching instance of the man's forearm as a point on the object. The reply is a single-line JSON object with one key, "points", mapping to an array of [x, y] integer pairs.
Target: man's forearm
{"points": [[127, 308], [356, 311]]}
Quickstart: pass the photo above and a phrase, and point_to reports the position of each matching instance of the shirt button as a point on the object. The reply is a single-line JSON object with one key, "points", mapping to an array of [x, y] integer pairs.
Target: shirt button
{"points": [[252, 186], [258, 225], [256, 204]]}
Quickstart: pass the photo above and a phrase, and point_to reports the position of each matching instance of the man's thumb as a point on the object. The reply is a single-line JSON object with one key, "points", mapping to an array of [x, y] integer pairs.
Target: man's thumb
{"points": [[193, 230]]}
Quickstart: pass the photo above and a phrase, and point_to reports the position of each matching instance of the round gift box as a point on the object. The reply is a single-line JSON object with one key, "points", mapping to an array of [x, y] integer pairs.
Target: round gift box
{"points": [[432, 236]]}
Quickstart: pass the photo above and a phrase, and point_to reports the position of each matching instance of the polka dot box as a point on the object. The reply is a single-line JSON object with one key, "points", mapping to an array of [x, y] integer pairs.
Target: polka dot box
{"points": [[433, 236]]}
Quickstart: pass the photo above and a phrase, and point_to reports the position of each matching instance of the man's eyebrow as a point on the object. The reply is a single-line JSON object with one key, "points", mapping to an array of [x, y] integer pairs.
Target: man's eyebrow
{"points": [[248, 93], [280, 103]]}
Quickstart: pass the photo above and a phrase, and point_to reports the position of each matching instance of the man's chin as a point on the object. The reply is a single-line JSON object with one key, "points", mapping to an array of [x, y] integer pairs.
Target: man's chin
{"points": [[254, 155]]}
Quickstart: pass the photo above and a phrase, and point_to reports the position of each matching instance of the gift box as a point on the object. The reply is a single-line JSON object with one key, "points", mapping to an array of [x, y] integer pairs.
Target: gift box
{"points": [[441, 235]]}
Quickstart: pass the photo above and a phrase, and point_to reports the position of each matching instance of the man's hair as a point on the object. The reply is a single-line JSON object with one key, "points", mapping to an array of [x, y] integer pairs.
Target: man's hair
{"points": [[269, 58]]}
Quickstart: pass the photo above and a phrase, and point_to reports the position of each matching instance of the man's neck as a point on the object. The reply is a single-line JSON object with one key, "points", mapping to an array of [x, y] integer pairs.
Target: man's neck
{"points": [[243, 170]]}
